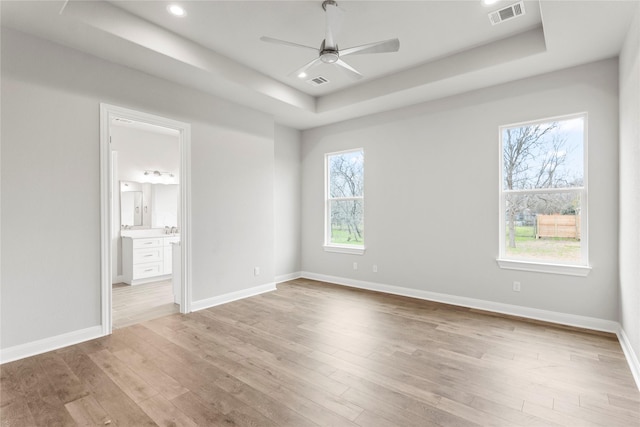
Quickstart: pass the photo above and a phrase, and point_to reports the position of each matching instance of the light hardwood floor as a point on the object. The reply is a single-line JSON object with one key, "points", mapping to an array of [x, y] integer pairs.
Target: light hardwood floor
{"points": [[313, 354], [135, 304]]}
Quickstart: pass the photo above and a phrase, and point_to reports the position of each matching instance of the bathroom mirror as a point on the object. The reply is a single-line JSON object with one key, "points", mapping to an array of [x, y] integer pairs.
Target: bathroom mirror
{"points": [[130, 203], [146, 205], [164, 201]]}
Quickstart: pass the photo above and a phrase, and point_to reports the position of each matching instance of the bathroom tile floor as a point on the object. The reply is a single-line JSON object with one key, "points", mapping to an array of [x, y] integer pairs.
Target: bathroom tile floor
{"points": [[135, 304]]}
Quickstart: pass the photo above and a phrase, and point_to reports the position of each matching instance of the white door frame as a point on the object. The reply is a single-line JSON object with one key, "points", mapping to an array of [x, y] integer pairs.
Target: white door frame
{"points": [[107, 113]]}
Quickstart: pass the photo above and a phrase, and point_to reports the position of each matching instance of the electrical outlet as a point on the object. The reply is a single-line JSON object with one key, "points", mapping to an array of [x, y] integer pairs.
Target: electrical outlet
{"points": [[375, 268], [516, 286], [256, 271], [355, 265]]}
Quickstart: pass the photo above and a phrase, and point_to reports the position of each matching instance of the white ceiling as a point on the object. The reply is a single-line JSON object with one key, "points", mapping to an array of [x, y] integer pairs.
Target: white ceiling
{"points": [[446, 47], [234, 30]]}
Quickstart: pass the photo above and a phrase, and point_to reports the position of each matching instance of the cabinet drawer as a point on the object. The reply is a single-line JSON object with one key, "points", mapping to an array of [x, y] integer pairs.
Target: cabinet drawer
{"points": [[147, 255], [147, 270], [147, 243]]}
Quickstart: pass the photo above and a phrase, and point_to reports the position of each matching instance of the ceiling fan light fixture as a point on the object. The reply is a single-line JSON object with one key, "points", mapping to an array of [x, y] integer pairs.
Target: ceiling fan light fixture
{"points": [[329, 57]]}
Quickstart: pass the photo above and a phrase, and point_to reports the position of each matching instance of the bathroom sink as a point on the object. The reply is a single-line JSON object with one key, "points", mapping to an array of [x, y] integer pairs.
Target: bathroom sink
{"points": [[147, 232]]}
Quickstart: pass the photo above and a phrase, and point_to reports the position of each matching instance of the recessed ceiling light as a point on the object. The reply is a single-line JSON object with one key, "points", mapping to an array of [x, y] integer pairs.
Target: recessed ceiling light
{"points": [[489, 2], [302, 75], [176, 10]]}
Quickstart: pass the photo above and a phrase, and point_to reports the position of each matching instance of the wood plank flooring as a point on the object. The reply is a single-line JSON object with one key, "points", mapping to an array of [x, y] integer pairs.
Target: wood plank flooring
{"points": [[315, 354], [136, 304]]}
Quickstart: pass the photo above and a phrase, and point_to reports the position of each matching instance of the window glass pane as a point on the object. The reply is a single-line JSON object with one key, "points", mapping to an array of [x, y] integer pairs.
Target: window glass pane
{"points": [[544, 155], [347, 225], [346, 174], [543, 227]]}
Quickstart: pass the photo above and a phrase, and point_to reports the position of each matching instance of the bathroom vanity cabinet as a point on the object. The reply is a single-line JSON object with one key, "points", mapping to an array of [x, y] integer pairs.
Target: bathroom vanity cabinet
{"points": [[147, 259]]}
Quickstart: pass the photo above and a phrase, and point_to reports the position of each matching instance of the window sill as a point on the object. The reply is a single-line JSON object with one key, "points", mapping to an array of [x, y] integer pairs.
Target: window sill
{"points": [[353, 250], [569, 270]]}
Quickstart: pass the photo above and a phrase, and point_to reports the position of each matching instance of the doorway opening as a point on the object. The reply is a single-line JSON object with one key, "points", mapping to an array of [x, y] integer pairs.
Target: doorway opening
{"points": [[145, 179]]}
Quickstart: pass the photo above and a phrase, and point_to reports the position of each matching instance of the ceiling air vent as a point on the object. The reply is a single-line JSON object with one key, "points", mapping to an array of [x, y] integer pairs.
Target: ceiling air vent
{"points": [[317, 81], [506, 13]]}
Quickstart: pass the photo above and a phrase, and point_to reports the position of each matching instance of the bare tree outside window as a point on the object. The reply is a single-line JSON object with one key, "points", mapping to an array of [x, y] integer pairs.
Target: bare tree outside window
{"points": [[345, 173], [542, 189]]}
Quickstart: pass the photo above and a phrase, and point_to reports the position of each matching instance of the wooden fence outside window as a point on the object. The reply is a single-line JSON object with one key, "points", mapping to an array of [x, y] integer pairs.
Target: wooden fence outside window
{"points": [[561, 226]]}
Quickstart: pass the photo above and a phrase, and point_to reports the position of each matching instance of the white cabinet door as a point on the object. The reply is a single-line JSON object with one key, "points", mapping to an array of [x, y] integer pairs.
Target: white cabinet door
{"points": [[168, 254], [168, 260]]}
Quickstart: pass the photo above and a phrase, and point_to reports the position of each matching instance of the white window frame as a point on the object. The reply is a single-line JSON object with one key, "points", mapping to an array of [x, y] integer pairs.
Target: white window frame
{"points": [[334, 247], [581, 268]]}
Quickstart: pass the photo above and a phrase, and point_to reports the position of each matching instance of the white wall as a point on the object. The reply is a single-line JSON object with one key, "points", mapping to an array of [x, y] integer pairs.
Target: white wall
{"points": [[50, 267], [287, 202], [232, 188], [630, 187], [431, 193], [140, 150]]}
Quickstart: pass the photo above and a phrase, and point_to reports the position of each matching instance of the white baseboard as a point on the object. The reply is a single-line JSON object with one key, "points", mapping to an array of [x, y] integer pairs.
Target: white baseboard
{"points": [[48, 344], [232, 296], [287, 277], [632, 358], [151, 279], [497, 307], [53, 343]]}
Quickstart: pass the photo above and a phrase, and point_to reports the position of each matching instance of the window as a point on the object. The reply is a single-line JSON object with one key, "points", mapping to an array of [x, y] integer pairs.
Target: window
{"points": [[344, 215], [543, 196]]}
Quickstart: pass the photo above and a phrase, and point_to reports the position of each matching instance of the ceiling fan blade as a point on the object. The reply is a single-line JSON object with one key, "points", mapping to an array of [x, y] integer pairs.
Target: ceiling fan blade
{"points": [[302, 70], [351, 72], [392, 45], [286, 43], [335, 16]]}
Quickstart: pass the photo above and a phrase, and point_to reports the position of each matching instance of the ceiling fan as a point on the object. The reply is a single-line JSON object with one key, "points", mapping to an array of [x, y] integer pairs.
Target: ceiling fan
{"points": [[329, 53]]}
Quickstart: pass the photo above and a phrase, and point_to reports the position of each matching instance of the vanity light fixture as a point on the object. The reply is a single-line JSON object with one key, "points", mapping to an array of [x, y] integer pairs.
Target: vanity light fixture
{"points": [[158, 173], [177, 10]]}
